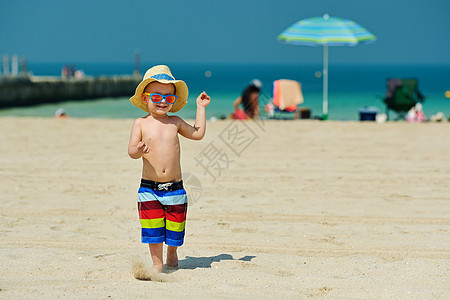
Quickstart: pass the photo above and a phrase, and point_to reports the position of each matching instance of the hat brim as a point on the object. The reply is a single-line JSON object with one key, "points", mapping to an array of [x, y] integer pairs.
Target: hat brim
{"points": [[181, 90]]}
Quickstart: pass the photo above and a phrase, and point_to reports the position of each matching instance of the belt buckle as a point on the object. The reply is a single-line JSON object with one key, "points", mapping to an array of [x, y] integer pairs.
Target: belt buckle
{"points": [[164, 186]]}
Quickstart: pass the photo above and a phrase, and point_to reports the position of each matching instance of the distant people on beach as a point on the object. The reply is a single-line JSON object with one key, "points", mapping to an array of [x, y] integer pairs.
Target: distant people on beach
{"points": [[60, 113], [250, 102], [69, 71], [415, 114]]}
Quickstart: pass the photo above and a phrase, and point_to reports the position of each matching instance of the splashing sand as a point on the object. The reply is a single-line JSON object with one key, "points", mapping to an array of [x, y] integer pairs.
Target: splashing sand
{"points": [[143, 271]]}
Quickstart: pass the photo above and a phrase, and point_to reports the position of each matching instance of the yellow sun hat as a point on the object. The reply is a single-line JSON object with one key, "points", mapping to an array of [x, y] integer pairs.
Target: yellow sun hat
{"points": [[161, 73]]}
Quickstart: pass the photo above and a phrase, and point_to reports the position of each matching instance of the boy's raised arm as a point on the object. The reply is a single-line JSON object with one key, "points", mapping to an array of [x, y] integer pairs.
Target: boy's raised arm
{"points": [[197, 132]]}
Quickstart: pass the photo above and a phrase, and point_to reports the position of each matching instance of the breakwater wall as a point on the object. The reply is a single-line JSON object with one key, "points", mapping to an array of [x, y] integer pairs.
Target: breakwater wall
{"points": [[31, 90]]}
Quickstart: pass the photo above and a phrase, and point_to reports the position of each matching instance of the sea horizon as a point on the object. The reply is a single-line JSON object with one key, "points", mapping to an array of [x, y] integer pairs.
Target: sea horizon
{"points": [[351, 87]]}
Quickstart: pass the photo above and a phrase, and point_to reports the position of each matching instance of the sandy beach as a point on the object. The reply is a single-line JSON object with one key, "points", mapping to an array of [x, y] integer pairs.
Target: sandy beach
{"points": [[293, 209]]}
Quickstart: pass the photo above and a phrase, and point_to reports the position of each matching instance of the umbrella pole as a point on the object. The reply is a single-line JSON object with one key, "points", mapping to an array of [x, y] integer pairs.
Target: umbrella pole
{"points": [[325, 83]]}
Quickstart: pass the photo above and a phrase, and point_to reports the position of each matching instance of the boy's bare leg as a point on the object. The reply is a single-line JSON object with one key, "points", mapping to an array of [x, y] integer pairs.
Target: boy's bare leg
{"points": [[156, 251], [172, 257]]}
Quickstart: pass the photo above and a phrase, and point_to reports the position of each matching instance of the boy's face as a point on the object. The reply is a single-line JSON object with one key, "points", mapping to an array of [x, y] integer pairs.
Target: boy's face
{"points": [[161, 108]]}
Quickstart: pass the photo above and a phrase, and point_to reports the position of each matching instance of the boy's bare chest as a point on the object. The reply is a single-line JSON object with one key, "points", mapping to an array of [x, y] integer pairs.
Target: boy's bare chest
{"points": [[162, 134]]}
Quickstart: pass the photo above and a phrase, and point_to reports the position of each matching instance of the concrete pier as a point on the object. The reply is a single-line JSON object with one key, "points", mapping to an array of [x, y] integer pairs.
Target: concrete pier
{"points": [[19, 88], [30, 90]]}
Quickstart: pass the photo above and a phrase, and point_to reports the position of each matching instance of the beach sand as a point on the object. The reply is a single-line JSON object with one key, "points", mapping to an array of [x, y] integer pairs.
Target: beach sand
{"points": [[279, 209]]}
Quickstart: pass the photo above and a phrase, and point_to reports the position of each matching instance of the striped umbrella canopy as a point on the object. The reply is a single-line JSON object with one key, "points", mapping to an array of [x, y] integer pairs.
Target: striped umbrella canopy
{"points": [[326, 31]]}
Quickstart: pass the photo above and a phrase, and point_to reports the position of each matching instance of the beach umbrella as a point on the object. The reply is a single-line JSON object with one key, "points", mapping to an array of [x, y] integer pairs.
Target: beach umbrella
{"points": [[326, 31]]}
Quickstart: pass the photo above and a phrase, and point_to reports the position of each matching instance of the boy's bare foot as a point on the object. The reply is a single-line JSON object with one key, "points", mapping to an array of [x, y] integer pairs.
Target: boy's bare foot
{"points": [[172, 257], [157, 268]]}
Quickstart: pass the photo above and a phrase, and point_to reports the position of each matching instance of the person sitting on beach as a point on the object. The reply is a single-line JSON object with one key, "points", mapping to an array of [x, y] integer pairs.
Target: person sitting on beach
{"points": [[162, 200], [60, 113], [415, 114], [249, 100]]}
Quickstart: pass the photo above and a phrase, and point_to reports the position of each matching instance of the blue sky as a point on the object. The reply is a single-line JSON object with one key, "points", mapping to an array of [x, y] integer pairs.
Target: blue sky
{"points": [[205, 31]]}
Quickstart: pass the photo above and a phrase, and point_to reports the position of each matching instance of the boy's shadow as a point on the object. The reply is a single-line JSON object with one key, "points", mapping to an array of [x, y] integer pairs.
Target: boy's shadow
{"points": [[192, 263]]}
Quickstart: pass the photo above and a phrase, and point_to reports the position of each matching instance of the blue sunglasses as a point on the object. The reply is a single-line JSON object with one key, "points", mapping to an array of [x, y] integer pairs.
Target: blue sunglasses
{"points": [[157, 98]]}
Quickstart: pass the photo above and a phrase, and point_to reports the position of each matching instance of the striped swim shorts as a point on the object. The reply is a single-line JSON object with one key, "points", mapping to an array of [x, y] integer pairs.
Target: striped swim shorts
{"points": [[162, 208]]}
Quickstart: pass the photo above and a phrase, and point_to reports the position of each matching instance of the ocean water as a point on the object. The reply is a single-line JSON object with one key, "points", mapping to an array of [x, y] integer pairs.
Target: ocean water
{"points": [[351, 87]]}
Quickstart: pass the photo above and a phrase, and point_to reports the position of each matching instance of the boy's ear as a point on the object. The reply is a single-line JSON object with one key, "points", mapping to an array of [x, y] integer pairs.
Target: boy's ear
{"points": [[144, 100]]}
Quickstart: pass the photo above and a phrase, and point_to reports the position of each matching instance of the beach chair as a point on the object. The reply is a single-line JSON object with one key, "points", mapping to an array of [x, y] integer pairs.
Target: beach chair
{"points": [[287, 95], [401, 96]]}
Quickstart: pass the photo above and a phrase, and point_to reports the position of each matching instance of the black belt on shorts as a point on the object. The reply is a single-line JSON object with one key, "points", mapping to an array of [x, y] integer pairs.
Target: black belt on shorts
{"points": [[162, 186]]}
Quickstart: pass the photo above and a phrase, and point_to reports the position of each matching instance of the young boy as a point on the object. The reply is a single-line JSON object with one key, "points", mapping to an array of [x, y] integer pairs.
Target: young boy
{"points": [[162, 201]]}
